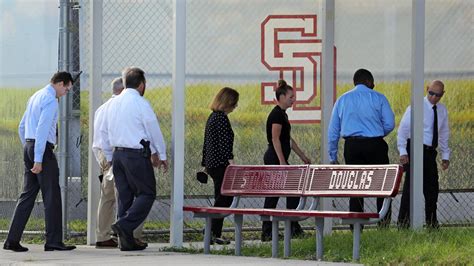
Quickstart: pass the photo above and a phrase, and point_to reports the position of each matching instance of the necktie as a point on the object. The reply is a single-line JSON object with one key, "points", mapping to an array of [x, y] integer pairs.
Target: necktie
{"points": [[435, 127]]}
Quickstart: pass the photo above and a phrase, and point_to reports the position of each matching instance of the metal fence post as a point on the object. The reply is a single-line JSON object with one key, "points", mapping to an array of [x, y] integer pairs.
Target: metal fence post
{"points": [[63, 64], [179, 63], [417, 81], [328, 12], [95, 99]]}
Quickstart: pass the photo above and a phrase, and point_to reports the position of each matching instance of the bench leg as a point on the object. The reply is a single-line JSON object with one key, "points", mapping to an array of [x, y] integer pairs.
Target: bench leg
{"points": [[238, 218], [274, 239], [319, 238], [287, 242], [207, 236], [356, 244]]}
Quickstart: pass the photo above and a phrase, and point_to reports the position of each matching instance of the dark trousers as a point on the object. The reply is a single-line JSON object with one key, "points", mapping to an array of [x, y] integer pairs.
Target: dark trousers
{"points": [[270, 158], [136, 187], [430, 190], [48, 182], [367, 151], [217, 175]]}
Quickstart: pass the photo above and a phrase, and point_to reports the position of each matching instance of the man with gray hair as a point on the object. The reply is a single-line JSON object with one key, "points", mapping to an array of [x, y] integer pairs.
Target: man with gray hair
{"points": [[106, 213]]}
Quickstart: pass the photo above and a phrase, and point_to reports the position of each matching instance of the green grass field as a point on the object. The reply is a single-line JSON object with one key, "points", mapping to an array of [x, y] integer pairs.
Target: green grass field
{"points": [[248, 122], [447, 246]]}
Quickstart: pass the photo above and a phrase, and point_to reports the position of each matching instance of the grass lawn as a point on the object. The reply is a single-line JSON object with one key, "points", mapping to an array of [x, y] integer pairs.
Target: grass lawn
{"points": [[446, 246]]}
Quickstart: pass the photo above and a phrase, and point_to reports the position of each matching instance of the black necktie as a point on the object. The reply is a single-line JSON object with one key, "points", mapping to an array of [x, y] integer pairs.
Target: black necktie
{"points": [[435, 127]]}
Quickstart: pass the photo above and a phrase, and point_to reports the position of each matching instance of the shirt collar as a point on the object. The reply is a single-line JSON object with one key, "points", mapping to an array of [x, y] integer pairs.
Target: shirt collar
{"points": [[428, 102], [361, 87], [279, 108], [131, 90], [51, 90]]}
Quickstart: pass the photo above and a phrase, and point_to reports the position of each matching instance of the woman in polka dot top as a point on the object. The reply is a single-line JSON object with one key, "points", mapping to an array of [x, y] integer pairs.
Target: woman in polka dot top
{"points": [[217, 152]]}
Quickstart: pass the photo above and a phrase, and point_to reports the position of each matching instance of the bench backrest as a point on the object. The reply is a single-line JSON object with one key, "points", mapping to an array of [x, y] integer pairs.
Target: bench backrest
{"points": [[353, 180], [264, 180]]}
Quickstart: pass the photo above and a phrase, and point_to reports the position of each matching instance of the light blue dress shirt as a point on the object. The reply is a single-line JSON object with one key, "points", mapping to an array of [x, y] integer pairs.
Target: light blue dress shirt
{"points": [[39, 121], [359, 112]]}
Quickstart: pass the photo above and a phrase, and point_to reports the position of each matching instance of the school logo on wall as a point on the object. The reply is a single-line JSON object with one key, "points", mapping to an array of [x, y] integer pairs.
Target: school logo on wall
{"points": [[291, 47]]}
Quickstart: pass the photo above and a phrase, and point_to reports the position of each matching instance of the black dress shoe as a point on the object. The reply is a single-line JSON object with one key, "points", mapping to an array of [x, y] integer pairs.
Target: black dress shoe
{"points": [[220, 241], [59, 246], [14, 247], [126, 241]]}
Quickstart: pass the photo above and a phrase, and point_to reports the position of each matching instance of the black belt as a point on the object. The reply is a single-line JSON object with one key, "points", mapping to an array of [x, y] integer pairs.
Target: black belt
{"points": [[48, 144], [360, 137], [428, 148], [128, 149]]}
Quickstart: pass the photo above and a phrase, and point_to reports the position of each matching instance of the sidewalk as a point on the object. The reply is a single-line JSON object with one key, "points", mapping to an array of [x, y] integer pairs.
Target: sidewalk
{"points": [[89, 255]]}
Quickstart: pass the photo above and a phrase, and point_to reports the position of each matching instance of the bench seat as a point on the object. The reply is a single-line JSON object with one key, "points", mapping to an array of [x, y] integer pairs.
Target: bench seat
{"points": [[326, 214]]}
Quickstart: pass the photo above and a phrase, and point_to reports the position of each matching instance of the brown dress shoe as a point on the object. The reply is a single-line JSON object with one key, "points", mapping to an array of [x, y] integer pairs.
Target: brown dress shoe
{"points": [[111, 243], [140, 242]]}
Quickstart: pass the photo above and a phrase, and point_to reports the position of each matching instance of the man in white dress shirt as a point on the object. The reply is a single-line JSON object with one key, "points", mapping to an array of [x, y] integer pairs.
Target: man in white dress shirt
{"points": [[435, 133], [106, 212], [136, 144]]}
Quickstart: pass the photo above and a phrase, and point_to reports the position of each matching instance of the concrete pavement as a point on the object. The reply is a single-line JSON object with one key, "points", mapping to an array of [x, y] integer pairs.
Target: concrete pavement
{"points": [[153, 255]]}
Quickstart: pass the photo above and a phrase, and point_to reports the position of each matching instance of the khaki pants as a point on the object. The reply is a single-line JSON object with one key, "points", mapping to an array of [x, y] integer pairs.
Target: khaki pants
{"points": [[107, 211]]}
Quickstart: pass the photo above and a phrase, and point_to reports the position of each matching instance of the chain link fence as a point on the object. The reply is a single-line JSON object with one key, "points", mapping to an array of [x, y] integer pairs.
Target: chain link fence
{"points": [[224, 48]]}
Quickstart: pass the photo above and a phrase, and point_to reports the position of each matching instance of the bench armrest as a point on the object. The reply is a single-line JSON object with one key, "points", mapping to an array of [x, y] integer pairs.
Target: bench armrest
{"points": [[314, 203], [385, 207], [235, 202]]}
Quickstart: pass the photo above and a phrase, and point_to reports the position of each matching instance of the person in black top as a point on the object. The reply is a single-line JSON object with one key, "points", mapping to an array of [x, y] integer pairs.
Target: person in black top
{"points": [[280, 144], [217, 151]]}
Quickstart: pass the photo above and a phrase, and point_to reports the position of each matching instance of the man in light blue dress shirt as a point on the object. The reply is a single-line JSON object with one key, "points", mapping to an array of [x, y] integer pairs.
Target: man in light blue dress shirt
{"points": [[37, 131], [362, 117]]}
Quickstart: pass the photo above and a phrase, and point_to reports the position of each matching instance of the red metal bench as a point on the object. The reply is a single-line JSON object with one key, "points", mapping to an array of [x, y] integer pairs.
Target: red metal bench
{"points": [[315, 181], [251, 181]]}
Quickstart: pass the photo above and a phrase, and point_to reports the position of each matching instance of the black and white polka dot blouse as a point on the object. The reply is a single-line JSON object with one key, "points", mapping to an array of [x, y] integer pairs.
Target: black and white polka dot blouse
{"points": [[218, 141]]}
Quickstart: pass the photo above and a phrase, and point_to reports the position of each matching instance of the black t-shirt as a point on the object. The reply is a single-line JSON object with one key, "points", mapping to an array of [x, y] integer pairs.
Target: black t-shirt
{"points": [[279, 116]]}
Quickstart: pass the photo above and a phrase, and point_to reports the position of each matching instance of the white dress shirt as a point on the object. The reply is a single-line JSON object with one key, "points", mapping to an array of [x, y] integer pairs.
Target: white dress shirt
{"points": [[100, 129], [129, 119], [428, 120]]}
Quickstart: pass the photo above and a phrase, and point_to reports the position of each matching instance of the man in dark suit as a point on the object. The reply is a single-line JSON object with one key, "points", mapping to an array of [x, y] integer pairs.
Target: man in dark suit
{"points": [[37, 132]]}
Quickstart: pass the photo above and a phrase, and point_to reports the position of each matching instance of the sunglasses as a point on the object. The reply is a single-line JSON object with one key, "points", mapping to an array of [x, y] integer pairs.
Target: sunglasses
{"points": [[432, 93]]}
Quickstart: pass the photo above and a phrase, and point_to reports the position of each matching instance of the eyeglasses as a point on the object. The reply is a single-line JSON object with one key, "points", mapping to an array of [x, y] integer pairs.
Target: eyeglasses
{"points": [[432, 93]]}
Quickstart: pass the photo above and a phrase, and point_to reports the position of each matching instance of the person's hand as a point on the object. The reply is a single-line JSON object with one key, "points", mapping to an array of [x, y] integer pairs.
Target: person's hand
{"points": [[155, 160], [231, 161], [107, 166], [163, 163], [404, 159], [283, 163], [445, 164], [37, 168], [334, 162]]}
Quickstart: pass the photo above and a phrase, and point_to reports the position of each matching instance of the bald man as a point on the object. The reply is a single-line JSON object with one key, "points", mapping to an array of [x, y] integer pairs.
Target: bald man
{"points": [[435, 135]]}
